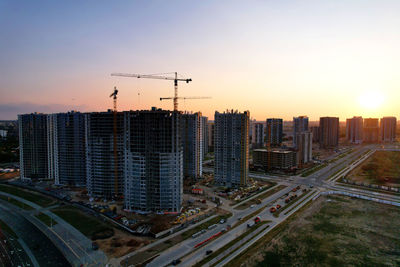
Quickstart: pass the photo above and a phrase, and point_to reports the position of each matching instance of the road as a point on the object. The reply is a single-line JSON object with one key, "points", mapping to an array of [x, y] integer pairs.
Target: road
{"points": [[188, 246], [323, 179], [73, 244], [43, 250]]}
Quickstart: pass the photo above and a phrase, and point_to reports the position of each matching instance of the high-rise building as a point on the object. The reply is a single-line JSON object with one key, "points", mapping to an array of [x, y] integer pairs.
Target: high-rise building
{"points": [[315, 133], [104, 165], [388, 129], [192, 143], [303, 146], [210, 129], [258, 135], [274, 132], [300, 124], [154, 161], [354, 130], [231, 148], [205, 137], [33, 146], [328, 132], [66, 148], [371, 130]]}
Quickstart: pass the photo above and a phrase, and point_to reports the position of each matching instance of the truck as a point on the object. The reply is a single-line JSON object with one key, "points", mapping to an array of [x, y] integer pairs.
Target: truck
{"points": [[250, 224]]}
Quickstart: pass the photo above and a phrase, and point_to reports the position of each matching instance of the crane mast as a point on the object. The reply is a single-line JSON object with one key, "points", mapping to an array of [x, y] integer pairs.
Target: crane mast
{"points": [[114, 96]]}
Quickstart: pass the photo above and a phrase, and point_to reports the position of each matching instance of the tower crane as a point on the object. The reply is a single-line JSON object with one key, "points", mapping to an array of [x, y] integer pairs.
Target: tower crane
{"points": [[159, 77], [114, 96]]}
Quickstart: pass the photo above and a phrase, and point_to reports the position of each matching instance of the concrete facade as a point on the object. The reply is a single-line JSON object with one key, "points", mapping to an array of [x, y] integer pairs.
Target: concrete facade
{"points": [[153, 172], [328, 132], [388, 127], [270, 159], [300, 124], [274, 132], [371, 130], [192, 143], [104, 174], [33, 146], [66, 147], [303, 147], [354, 130], [231, 148], [258, 135]]}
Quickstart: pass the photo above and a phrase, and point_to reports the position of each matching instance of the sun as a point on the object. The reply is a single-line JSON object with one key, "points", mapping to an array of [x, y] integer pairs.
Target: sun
{"points": [[371, 99]]}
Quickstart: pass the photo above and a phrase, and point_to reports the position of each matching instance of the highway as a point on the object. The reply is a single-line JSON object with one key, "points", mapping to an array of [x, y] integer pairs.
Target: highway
{"points": [[73, 245], [43, 250]]}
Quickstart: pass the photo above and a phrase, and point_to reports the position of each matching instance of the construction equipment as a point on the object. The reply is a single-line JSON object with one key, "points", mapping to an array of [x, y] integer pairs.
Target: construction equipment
{"points": [[159, 77], [114, 96]]}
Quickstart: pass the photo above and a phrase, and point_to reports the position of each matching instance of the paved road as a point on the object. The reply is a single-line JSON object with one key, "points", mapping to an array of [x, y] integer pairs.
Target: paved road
{"points": [[188, 245], [74, 245], [12, 253], [44, 251], [318, 179]]}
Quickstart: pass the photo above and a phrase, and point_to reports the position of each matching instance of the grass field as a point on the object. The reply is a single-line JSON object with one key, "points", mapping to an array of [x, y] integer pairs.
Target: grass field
{"points": [[332, 231], [381, 168], [46, 219], [88, 225], [36, 198], [16, 203]]}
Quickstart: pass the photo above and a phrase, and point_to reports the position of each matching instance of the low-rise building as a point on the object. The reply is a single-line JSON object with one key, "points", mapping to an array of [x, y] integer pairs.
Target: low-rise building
{"points": [[270, 159]]}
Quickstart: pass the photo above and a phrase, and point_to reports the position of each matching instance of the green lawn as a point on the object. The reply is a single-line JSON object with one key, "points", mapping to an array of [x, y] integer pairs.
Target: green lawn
{"points": [[36, 198], [16, 202], [46, 219], [87, 225]]}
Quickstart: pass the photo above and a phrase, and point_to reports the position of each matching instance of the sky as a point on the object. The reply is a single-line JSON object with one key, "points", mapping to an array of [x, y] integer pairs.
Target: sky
{"points": [[273, 58]]}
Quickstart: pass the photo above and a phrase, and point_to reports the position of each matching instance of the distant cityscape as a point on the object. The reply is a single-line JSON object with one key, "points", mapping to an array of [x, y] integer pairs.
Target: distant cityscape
{"points": [[143, 157]]}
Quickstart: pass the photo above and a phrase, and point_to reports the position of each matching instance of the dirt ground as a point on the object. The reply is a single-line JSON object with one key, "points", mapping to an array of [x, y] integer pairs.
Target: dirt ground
{"points": [[382, 168], [333, 231], [121, 244], [10, 175]]}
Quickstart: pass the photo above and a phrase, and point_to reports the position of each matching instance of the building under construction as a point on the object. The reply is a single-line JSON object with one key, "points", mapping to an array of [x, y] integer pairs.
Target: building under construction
{"points": [[204, 127], [104, 167], [231, 148], [66, 148], [192, 143], [274, 159], [33, 146], [153, 156]]}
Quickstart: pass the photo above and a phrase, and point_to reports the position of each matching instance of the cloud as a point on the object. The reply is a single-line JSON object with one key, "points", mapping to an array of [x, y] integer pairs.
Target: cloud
{"points": [[10, 111]]}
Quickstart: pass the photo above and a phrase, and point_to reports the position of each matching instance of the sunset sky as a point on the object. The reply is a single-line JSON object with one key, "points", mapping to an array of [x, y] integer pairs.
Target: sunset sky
{"points": [[274, 58]]}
